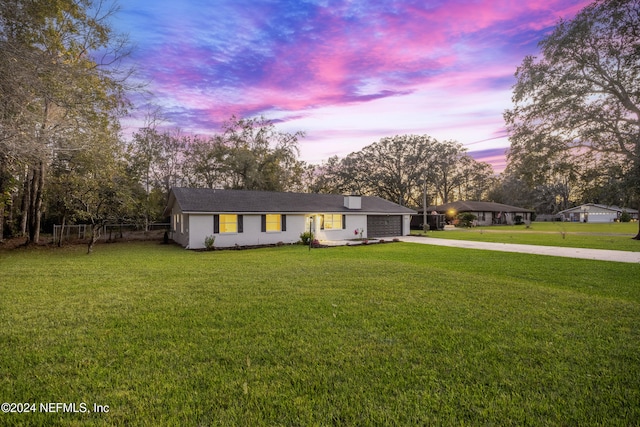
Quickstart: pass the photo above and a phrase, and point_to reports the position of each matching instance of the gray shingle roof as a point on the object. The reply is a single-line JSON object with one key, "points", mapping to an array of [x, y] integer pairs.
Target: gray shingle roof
{"points": [[471, 206], [606, 207], [245, 201]]}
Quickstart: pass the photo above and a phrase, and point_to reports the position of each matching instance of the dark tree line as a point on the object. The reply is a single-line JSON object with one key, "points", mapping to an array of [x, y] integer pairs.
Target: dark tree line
{"points": [[405, 167]]}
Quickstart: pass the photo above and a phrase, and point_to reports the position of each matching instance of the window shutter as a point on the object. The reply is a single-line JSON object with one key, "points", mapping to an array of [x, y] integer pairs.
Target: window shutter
{"points": [[263, 223], [240, 223], [321, 222], [344, 222], [216, 224], [283, 223]]}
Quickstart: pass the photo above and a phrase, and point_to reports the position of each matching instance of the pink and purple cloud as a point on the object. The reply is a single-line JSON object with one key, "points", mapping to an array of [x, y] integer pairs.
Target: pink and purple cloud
{"points": [[346, 72]]}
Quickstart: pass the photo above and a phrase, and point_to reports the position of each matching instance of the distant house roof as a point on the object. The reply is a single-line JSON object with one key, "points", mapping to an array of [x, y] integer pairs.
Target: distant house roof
{"points": [[471, 206], [204, 200], [612, 208]]}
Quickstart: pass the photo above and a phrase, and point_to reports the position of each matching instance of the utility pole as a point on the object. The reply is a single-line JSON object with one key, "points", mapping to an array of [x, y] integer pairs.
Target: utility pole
{"points": [[424, 205]]}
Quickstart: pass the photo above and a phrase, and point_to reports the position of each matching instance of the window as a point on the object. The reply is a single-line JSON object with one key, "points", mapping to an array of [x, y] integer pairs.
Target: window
{"points": [[227, 223], [332, 222], [274, 223]]}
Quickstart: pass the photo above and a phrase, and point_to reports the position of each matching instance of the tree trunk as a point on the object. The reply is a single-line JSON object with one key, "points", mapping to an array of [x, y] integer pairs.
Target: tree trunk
{"points": [[5, 195], [24, 204], [9, 221], [35, 207], [637, 237], [95, 235], [31, 209], [64, 220], [1, 221], [636, 182]]}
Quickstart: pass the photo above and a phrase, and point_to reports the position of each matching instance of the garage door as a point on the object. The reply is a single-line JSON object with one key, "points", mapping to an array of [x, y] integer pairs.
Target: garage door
{"points": [[384, 225]]}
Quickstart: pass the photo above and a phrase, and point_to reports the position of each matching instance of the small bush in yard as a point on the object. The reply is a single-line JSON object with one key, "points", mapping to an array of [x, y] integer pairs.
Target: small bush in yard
{"points": [[466, 219], [625, 217], [306, 237], [209, 242]]}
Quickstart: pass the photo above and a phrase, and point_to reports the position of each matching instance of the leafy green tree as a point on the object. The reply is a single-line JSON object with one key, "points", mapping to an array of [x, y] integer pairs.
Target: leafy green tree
{"points": [[402, 168], [509, 189], [456, 175], [477, 178], [93, 186], [324, 178], [607, 183], [551, 184], [156, 159], [53, 87], [258, 157], [247, 154], [393, 168], [204, 163], [582, 96]]}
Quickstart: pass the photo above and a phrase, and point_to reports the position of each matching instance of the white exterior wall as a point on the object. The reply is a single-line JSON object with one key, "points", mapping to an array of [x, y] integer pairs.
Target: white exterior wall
{"points": [[179, 227], [595, 214], [252, 234], [508, 217], [406, 224], [488, 218], [352, 222], [190, 230], [201, 226], [591, 214]]}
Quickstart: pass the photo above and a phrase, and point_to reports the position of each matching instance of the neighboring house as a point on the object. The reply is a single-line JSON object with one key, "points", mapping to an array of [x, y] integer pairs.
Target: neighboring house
{"points": [[487, 213], [592, 212], [248, 218]]}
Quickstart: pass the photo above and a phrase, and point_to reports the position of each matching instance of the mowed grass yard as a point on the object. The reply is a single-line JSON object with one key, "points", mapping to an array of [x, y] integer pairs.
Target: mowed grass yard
{"points": [[391, 334], [612, 236]]}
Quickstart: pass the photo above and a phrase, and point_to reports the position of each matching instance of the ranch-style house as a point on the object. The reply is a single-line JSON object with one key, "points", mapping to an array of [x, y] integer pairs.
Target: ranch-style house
{"points": [[593, 212], [486, 213], [251, 218]]}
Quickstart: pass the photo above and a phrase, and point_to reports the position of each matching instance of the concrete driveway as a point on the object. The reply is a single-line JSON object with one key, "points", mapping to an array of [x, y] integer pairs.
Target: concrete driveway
{"points": [[595, 254]]}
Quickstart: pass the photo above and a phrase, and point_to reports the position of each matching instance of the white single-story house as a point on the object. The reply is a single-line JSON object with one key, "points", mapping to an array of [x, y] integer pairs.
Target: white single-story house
{"points": [[592, 212], [249, 218], [486, 213]]}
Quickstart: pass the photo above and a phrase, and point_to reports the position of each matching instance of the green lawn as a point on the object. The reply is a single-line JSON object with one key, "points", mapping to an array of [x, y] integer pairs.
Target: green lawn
{"points": [[393, 334], [616, 236]]}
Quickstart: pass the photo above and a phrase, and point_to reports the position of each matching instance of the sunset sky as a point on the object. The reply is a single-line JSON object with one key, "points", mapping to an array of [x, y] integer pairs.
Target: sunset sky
{"points": [[347, 73]]}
